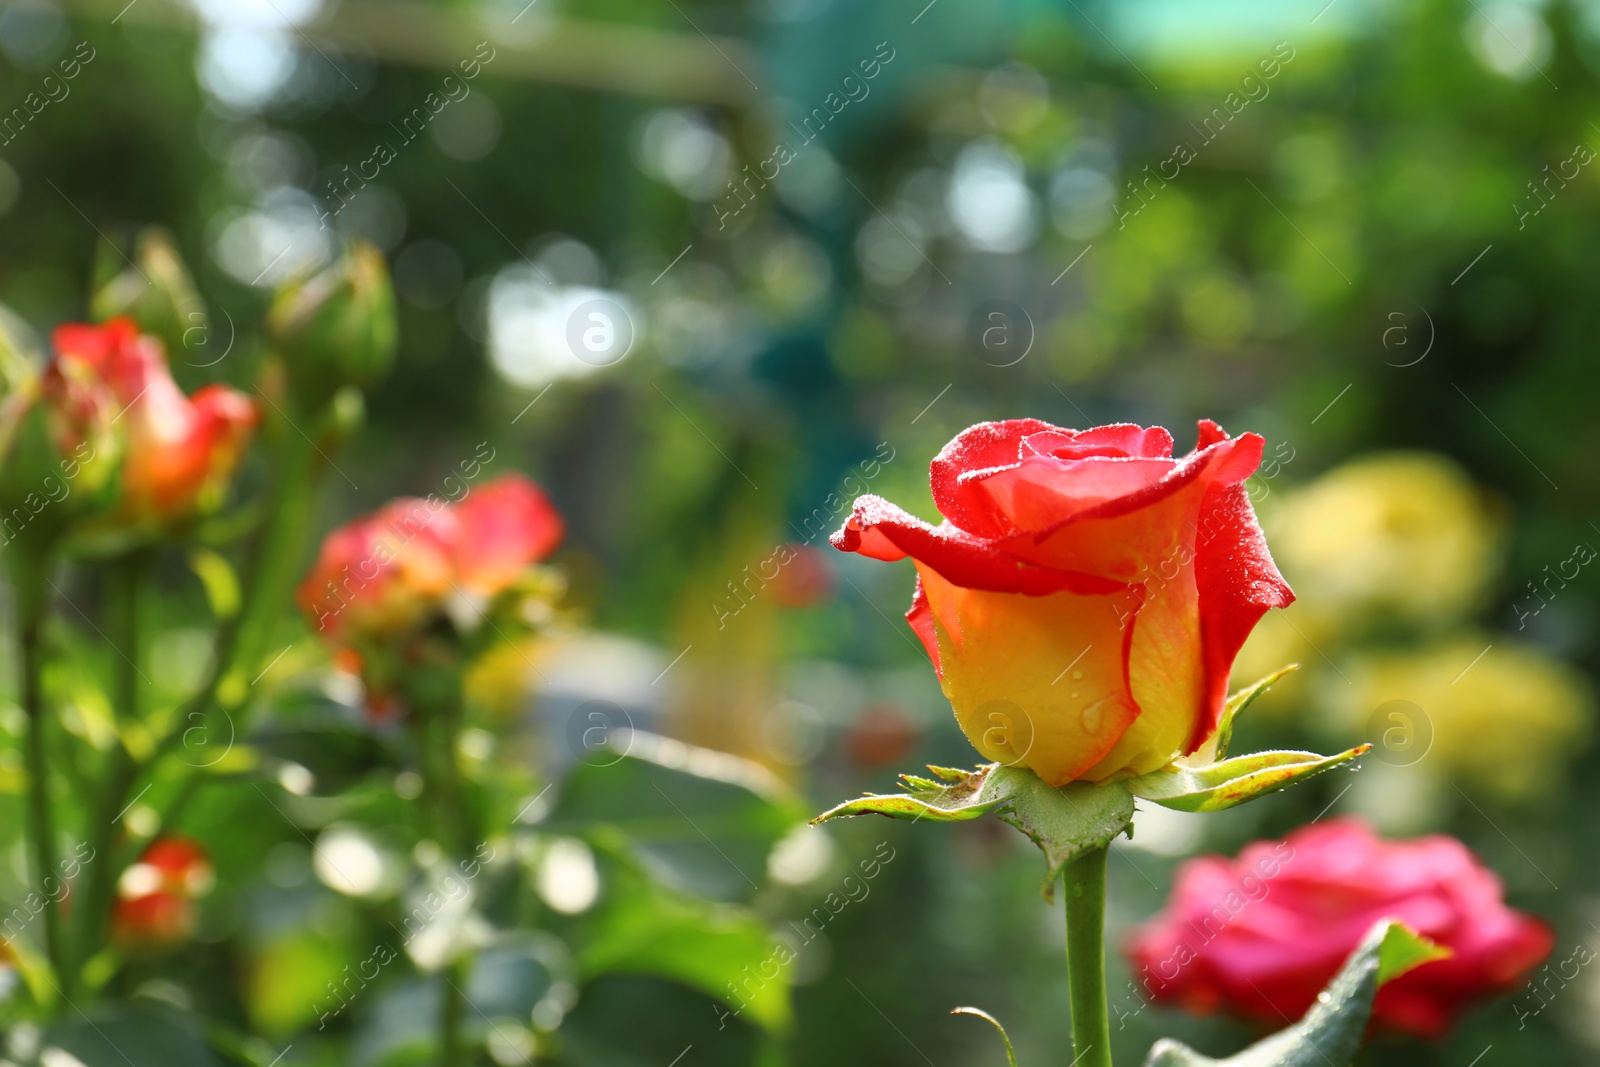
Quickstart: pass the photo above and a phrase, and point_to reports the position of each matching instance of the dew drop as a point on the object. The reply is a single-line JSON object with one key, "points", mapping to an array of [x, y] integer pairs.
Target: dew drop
{"points": [[1094, 714], [1077, 676], [1074, 694]]}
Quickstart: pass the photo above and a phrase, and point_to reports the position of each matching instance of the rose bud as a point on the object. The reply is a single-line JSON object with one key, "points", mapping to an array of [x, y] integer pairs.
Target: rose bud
{"points": [[1086, 593], [385, 578], [156, 896], [179, 453], [155, 290], [1261, 935], [385, 574], [382, 574], [336, 328], [58, 453]]}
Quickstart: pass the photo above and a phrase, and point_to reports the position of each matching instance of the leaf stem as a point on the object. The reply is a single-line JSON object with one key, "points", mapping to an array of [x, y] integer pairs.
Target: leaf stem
{"points": [[1086, 963]]}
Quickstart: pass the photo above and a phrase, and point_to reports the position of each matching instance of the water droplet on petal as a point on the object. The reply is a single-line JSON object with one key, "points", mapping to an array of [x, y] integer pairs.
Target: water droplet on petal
{"points": [[1093, 715]]}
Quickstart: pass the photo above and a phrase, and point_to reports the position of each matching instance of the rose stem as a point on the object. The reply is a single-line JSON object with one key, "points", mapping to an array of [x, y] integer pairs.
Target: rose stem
{"points": [[243, 639], [1086, 964], [31, 610], [436, 729], [128, 576]]}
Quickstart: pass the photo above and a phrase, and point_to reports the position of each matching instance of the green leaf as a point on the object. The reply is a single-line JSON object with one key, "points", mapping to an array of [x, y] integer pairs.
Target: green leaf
{"points": [[1233, 781], [1217, 748], [969, 795], [222, 584], [139, 1032], [1331, 1032], [1403, 950], [710, 818], [644, 927]]}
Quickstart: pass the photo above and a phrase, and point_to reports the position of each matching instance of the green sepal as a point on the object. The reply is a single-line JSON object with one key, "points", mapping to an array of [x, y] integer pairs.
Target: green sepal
{"points": [[969, 795], [1330, 1033], [1234, 781], [1217, 748], [1064, 821]]}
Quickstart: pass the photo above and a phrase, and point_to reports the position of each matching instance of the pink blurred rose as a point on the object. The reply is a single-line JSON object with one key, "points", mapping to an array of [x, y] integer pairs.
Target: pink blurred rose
{"points": [[1262, 934]]}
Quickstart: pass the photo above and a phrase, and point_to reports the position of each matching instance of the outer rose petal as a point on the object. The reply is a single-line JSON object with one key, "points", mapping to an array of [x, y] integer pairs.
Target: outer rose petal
{"points": [[1238, 582], [382, 573], [1032, 678], [920, 616], [878, 529], [506, 525]]}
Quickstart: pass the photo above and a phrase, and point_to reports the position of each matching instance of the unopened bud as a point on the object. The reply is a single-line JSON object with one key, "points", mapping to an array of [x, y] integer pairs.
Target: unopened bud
{"points": [[154, 289], [336, 328]]}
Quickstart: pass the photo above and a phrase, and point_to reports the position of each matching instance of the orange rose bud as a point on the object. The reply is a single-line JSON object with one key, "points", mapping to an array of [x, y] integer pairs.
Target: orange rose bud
{"points": [[179, 453], [337, 328], [1085, 596], [385, 574], [156, 896]]}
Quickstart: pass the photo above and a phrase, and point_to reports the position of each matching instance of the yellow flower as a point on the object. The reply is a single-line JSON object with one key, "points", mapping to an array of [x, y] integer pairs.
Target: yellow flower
{"points": [[1397, 536], [1507, 720]]}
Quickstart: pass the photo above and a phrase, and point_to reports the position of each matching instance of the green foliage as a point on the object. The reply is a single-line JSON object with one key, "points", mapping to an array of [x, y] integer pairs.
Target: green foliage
{"points": [[647, 927]]}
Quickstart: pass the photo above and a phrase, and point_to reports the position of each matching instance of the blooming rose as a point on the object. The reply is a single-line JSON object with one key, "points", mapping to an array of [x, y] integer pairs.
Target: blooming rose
{"points": [[385, 574], [1086, 594], [179, 453], [156, 896], [1264, 933]]}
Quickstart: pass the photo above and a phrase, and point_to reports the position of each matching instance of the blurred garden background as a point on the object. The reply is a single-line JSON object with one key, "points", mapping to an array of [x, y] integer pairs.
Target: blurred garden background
{"points": [[707, 270]]}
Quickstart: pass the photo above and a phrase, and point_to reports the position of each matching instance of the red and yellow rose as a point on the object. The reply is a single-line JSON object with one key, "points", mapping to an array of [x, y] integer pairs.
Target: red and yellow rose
{"points": [[1087, 591]]}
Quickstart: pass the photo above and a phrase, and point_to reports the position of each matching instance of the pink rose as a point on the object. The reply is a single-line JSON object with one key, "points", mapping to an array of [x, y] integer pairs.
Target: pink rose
{"points": [[1262, 934]]}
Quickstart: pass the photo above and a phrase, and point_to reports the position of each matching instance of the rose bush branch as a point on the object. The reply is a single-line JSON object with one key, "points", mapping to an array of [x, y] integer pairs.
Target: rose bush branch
{"points": [[409, 596], [327, 337], [106, 460]]}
